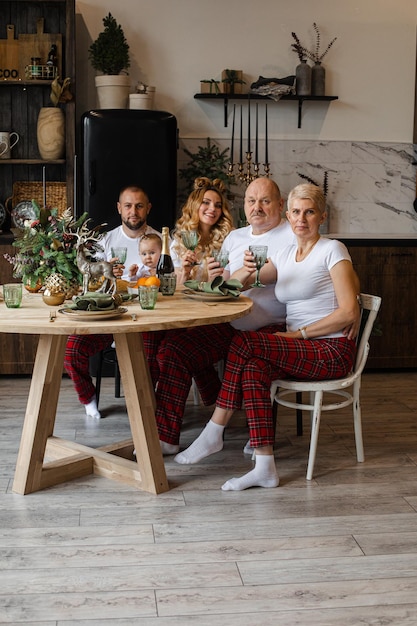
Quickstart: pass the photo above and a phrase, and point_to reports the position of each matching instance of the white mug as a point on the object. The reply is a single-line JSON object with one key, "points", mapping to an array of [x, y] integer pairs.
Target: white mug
{"points": [[7, 143]]}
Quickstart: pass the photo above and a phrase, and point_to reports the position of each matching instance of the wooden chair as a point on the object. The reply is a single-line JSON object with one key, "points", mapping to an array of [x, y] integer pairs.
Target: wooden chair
{"points": [[347, 389], [108, 355]]}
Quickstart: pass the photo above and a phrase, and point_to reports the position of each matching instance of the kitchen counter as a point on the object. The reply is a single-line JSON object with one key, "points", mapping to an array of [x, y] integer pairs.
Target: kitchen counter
{"points": [[369, 239]]}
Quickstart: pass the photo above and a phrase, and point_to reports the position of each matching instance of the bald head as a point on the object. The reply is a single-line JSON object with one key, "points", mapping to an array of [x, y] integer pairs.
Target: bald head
{"points": [[263, 205]]}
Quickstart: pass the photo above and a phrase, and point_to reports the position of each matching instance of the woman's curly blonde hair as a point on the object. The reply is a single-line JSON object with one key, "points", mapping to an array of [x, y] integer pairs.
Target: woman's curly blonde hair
{"points": [[189, 219]]}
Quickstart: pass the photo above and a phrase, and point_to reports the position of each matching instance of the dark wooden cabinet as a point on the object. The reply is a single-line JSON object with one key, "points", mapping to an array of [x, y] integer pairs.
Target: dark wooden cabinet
{"points": [[388, 269], [20, 103]]}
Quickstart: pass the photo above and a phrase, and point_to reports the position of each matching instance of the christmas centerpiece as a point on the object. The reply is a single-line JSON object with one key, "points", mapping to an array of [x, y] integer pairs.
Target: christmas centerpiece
{"points": [[46, 251]]}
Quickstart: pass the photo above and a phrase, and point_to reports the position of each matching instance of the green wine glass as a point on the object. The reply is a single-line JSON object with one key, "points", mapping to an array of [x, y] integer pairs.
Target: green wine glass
{"points": [[190, 240], [259, 255]]}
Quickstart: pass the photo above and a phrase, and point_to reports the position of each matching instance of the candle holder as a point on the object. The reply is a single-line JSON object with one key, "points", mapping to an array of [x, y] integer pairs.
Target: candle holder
{"points": [[248, 171]]}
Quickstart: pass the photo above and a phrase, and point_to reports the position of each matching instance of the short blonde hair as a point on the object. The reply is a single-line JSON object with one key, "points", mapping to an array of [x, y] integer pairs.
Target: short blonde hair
{"points": [[307, 191]]}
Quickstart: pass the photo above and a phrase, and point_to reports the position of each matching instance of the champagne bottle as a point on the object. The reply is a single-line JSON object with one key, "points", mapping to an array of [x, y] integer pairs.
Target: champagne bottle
{"points": [[165, 268], [165, 264]]}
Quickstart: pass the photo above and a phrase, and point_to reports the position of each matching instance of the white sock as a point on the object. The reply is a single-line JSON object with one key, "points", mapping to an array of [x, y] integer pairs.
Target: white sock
{"points": [[264, 474], [248, 448], [91, 409], [208, 442], [167, 448]]}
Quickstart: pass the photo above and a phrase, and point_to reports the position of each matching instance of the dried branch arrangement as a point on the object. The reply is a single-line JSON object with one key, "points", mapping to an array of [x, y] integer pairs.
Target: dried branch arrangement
{"points": [[313, 55]]}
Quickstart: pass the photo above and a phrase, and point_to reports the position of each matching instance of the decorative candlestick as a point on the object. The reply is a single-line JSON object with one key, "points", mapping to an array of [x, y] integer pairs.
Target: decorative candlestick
{"points": [[266, 135], [248, 124], [249, 170], [233, 135], [241, 137]]}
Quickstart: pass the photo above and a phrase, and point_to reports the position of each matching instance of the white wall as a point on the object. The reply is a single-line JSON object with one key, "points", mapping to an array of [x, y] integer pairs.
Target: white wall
{"points": [[364, 140], [175, 43]]}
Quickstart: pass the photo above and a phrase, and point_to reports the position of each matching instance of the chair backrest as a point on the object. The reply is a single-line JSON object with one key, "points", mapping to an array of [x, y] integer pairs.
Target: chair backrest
{"points": [[370, 304]]}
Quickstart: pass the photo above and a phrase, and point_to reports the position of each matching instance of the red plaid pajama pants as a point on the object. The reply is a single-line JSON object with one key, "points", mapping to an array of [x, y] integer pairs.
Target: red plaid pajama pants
{"points": [[256, 359], [80, 348], [190, 355]]}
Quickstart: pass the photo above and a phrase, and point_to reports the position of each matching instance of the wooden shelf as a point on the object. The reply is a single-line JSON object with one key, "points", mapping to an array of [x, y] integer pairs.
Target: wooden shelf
{"points": [[31, 162], [20, 103], [225, 97], [24, 83]]}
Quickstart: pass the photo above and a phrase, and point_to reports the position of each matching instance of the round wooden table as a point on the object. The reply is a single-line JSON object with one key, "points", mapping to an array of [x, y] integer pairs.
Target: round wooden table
{"points": [[68, 460]]}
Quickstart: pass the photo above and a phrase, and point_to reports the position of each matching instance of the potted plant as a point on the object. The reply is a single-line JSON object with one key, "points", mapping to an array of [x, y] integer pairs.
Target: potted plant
{"points": [[51, 122], [207, 161], [109, 54], [46, 249]]}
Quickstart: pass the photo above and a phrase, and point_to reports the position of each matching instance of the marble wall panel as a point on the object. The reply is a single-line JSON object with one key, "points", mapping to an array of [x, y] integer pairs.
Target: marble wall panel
{"points": [[371, 186]]}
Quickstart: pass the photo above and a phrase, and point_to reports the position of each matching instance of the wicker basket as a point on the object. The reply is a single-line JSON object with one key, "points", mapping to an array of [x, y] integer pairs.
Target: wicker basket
{"points": [[56, 194]]}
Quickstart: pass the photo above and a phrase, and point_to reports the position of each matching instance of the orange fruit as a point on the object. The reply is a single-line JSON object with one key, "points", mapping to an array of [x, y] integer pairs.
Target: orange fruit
{"points": [[152, 280], [141, 281]]}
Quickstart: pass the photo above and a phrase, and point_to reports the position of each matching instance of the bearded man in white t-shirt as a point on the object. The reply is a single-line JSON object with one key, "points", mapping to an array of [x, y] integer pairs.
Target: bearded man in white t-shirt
{"points": [[194, 353], [133, 207]]}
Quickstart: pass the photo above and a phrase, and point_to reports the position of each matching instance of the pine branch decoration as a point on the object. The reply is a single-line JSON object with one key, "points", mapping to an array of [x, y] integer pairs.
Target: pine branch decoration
{"points": [[325, 186]]}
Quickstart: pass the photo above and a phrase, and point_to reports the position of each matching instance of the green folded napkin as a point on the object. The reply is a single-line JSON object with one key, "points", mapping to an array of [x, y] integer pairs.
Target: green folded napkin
{"points": [[218, 285], [93, 301]]}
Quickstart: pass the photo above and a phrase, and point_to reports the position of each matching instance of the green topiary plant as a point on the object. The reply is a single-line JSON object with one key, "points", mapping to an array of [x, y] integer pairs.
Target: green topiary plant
{"points": [[109, 53], [207, 161]]}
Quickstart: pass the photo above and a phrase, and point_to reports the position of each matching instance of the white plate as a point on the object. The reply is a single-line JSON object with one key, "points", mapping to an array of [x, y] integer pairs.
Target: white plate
{"points": [[202, 296], [92, 316], [21, 212]]}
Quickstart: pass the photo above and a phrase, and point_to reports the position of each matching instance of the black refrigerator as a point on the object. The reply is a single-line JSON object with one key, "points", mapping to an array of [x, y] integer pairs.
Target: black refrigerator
{"points": [[120, 147]]}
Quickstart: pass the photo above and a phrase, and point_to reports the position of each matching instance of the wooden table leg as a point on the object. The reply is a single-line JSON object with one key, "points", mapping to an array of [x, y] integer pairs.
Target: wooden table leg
{"points": [[140, 403], [72, 460], [40, 420]]}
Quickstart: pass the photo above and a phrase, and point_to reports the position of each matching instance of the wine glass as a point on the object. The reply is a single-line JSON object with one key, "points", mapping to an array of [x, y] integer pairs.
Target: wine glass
{"points": [[260, 255], [222, 257], [190, 240], [120, 254]]}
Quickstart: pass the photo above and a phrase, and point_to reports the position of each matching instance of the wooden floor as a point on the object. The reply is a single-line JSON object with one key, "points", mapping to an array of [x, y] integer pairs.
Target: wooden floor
{"points": [[340, 550]]}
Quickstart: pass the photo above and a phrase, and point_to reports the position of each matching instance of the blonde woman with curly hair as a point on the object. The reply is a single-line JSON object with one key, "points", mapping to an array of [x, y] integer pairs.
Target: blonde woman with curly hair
{"points": [[206, 211]]}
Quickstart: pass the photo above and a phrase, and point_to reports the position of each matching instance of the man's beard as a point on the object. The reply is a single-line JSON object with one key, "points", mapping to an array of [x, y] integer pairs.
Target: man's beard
{"points": [[136, 226]]}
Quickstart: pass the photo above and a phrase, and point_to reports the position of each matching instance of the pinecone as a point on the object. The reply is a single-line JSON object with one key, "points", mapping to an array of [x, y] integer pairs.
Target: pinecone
{"points": [[56, 283]]}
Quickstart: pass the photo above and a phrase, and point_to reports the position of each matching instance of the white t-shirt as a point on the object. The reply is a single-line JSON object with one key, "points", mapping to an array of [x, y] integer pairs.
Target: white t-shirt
{"points": [[266, 308], [306, 287], [117, 238]]}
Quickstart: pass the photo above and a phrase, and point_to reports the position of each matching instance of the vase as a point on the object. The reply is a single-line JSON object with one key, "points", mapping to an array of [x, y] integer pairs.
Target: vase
{"points": [[113, 91], [318, 79], [140, 101], [33, 285], [51, 133], [303, 79], [324, 228]]}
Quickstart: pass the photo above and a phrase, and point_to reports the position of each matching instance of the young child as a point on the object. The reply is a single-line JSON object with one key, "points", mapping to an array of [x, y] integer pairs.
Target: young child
{"points": [[150, 248]]}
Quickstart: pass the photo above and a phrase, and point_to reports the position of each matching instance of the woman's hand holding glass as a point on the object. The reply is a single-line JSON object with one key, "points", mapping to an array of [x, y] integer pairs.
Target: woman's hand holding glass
{"points": [[189, 239]]}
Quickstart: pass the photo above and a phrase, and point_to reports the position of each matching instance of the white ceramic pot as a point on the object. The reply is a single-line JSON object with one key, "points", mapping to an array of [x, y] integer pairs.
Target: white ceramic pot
{"points": [[51, 133], [140, 101], [113, 91]]}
